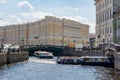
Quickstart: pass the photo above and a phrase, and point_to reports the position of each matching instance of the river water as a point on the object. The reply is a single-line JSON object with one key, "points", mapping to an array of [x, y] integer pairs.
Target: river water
{"points": [[46, 69]]}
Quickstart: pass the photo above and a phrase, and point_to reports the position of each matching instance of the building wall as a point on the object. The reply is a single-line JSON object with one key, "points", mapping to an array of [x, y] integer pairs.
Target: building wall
{"points": [[116, 31], [54, 30], [104, 21], [1, 36], [1, 33], [10, 34], [48, 31], [116, 27]]}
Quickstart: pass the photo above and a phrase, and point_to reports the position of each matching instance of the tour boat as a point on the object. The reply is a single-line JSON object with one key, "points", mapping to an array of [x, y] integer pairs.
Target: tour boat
{"points": [[43, 54]]}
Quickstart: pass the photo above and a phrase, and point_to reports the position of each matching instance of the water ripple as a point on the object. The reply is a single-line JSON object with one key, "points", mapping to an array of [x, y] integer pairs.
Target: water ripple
{"points": [[47, 69]]}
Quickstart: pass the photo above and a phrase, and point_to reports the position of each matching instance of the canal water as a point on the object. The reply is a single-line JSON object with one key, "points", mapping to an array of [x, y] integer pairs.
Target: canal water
{"points": [[46, 69]]}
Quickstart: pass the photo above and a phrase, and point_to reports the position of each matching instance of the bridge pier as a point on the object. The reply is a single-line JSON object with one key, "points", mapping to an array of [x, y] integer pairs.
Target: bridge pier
{"points": [[8, 56]]}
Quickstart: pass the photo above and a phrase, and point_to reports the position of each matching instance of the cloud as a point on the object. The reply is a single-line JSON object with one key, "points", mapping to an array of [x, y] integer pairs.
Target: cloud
{"points": [[16, 18], [77, 18], [83, 20], [71, 8], [40, 15], [2, 1], [24, 4], [92, 27], [0, 16], [0, 13], [3, 23], [36, 15]]}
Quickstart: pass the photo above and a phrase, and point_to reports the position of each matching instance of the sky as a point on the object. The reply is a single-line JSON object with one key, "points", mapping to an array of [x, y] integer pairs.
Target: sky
{"points": [[22, 11]]}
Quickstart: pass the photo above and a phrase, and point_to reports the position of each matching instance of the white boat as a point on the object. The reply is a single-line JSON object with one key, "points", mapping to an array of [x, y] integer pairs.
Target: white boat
{"points": [[43, 54]]}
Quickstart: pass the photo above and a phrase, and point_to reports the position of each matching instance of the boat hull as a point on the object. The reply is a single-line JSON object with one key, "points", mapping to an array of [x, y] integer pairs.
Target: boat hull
{"points": [[48, 57], [77, 61], [89, 63], [43, 55]]}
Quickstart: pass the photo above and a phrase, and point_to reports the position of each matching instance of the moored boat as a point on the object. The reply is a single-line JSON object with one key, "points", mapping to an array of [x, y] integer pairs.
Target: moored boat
{"points": [[88, 60]]}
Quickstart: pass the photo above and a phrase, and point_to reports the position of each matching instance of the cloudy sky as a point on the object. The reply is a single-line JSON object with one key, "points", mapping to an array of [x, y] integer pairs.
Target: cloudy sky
{"points": [[21, 11]]}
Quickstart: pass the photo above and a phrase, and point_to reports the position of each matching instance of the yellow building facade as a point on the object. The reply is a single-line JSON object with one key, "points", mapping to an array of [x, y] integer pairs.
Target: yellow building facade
{"points": [[48, 31]]}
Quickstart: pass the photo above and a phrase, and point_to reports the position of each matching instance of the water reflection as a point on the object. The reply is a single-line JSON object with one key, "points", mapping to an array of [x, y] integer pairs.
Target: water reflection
{"points": [[107, 74], [40, 69]]}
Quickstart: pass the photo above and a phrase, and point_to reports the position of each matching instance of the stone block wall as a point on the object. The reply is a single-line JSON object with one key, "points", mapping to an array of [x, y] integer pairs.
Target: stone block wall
{"points": [[117, 61], [17, 57], [3, 59], [13, 57]]}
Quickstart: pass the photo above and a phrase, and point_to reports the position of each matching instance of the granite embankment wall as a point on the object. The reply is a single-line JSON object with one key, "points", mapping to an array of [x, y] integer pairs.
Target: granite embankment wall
{"points": [[117, 61], [12, 57], [3, 59]]}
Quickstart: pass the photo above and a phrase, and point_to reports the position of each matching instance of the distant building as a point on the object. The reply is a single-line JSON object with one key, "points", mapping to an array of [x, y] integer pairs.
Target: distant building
{"points": [[48, 31], [92, 40], [116, 27], [104, 19]]}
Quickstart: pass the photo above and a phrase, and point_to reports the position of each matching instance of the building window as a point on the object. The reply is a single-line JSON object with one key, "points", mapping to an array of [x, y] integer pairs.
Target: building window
{"points": [[105, 30], [110, 1], [103, 17], [110, 29], [105, 3], [110, 13], [107, 15]]}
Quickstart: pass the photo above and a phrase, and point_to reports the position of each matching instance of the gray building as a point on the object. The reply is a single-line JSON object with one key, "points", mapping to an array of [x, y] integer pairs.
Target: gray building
{"points": [[104, 19], [116, 27]]}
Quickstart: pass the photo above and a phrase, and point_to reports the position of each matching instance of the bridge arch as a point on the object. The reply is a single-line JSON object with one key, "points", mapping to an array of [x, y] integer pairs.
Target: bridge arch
{"points": [[109, 52]]}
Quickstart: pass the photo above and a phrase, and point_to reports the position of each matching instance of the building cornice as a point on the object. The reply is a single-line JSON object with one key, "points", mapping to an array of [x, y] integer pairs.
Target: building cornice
{"points": [[97, 1]]}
